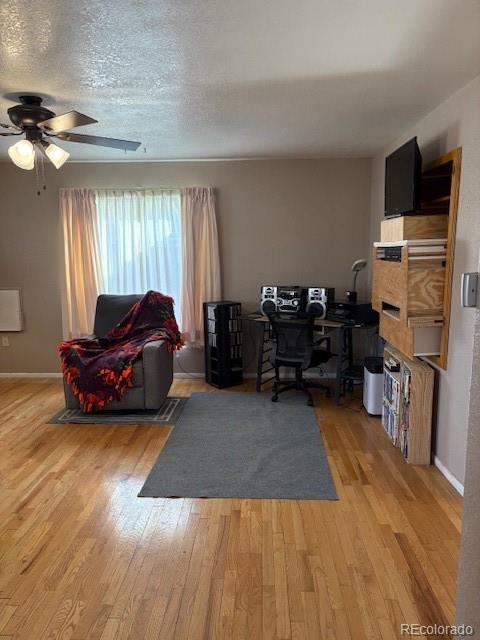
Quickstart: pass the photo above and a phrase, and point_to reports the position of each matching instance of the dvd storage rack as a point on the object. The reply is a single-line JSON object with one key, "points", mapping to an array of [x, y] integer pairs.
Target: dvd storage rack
{"points": [[223, 343], [407, 405]]}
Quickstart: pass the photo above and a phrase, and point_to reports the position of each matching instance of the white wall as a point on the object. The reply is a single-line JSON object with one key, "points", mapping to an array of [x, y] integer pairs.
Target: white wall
{"points": [[468, 611], [454, 123]]}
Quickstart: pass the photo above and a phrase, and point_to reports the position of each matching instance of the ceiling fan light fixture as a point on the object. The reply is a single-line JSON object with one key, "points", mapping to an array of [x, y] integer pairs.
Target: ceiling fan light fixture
{"points": [[56, 154], [22, 154]]}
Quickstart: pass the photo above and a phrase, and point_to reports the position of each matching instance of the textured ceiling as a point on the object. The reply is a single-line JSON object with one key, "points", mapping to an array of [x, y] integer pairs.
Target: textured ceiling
{"points": [[239, 78]]}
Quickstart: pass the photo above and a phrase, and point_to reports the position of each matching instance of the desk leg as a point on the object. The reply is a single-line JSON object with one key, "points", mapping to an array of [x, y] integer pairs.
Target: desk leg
{"points": [[259, 336], [350, 346], [349, 337], [338, 375]]}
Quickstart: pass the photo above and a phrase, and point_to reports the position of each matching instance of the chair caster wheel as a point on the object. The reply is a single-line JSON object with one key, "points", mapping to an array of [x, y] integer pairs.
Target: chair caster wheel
{"points": [[310, 403], [275, 399]]}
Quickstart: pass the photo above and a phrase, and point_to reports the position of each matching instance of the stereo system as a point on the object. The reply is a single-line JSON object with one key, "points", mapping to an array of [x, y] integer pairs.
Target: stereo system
{"points": [[283, 299], [352, 313], [286, 299]]}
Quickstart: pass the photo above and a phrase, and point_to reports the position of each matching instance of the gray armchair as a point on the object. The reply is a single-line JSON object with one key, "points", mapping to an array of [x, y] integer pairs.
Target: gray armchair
{"points": [[152, 373]]}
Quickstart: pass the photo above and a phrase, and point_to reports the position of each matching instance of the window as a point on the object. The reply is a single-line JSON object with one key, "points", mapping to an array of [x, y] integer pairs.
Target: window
{"points": [[130, 241], [139, 236]]}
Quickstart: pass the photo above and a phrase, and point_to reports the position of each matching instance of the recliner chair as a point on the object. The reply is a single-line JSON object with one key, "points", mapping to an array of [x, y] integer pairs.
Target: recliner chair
{"points": [[152, 372]]}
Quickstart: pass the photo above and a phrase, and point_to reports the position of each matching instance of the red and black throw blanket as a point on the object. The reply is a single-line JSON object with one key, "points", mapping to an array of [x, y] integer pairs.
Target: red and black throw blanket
{"points": [[100, 369]]}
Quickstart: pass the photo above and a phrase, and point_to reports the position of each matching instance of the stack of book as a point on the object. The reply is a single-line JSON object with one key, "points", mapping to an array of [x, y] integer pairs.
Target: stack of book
{"points": [[391, 404], [405, 413]]}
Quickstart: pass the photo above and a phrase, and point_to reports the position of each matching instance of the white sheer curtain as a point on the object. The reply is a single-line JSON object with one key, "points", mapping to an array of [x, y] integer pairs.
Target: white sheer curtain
{"points": [[129, 241], [83, 272], [201, 260], [139, 235]]}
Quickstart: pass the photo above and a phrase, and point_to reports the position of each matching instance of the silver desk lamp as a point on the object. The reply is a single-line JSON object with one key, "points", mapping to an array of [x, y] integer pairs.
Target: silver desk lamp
{"points": [[357, 266]]}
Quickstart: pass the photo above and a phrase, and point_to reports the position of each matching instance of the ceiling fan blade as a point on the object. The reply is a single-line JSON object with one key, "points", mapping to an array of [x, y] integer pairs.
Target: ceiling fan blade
{"points": [[65, 121], [9, 126], [11, 133], [113, 143]]}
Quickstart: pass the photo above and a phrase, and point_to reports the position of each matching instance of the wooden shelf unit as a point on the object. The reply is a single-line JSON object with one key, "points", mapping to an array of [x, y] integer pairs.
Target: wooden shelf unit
{"points": [[420, 290], [407, 414]]}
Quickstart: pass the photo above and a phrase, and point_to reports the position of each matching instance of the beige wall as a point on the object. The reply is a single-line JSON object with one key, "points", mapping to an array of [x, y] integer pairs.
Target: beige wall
{"points": [[288, 222], [456, 122]]}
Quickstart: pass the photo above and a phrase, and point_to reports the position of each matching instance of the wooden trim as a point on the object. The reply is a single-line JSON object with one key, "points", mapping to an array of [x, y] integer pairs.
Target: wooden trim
{"points": [[22, 374], [455, 157]]}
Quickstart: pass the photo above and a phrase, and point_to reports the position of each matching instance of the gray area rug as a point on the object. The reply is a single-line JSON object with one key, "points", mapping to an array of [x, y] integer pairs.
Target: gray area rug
{"points": [[242, 445], [168, 413]]}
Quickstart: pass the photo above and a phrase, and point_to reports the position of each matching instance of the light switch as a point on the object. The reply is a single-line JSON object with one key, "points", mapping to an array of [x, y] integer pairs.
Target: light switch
{"points": [[469, 289]]}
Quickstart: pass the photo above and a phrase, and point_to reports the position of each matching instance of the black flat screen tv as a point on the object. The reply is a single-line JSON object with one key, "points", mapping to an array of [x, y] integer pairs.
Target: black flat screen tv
{"points": [[403, 177]]}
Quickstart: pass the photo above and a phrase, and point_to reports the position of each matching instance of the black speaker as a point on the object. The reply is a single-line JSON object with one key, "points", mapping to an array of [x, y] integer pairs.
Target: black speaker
{"points": [[268, 302], [318, 299]]}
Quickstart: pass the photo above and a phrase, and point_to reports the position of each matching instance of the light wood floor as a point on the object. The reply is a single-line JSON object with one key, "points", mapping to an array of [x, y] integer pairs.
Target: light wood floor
{"points": [[82, 557]]}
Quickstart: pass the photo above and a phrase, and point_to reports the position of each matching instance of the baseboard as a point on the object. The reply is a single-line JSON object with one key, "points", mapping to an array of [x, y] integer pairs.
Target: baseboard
{"points": [[250, 376], [181, 374], [177, 374], [201, 374], [30, 375], [456, 484]]}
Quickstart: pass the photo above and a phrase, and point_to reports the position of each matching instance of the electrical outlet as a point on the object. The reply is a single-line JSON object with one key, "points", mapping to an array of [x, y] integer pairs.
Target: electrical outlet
{"points": [[5, 341]]}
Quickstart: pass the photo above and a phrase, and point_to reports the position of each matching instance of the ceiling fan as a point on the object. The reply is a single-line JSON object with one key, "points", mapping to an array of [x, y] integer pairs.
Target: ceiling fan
{"points": [[39, 124]]}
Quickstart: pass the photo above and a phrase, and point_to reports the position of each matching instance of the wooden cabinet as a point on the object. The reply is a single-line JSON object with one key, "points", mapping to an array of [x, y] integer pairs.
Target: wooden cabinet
{"points": [[413, 340], [408, 295], [412, 288], [415, 287]]}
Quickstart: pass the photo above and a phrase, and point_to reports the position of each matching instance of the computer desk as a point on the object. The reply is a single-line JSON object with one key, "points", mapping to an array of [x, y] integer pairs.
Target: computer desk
{"points": [[343, 375]]}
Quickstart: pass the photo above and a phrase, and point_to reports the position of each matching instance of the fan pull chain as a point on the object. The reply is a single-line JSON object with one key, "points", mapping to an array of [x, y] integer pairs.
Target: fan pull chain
{"points": [[39, 165], [43, 172], [35, 162]]}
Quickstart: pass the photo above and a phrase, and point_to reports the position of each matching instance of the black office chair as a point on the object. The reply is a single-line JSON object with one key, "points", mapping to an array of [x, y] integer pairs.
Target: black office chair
{"points": [[294, 346]]}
